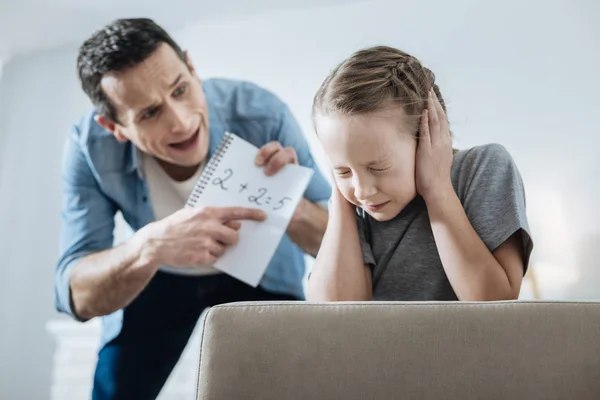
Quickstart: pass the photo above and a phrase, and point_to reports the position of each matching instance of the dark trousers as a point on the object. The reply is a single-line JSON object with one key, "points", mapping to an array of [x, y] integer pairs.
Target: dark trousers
{"points": [[156, 329]]}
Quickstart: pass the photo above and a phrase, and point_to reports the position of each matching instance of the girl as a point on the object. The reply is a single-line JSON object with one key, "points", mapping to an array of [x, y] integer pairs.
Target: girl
{"points": [[411, 219]]}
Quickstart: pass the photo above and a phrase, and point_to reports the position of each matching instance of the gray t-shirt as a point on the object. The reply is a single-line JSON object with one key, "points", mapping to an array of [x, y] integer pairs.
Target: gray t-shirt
{"points": [[405, 262]]}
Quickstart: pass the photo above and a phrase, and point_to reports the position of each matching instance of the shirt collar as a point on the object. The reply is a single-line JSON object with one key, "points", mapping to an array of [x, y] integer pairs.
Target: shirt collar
{"points": [[215, 127]]}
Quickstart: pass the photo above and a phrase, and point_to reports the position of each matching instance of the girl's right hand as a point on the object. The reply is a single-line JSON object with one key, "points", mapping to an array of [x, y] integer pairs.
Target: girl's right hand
{"points": [[339, 204]]}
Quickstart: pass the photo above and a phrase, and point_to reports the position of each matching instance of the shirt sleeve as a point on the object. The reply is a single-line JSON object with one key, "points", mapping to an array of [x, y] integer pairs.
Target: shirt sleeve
{"points": [[493, 196], [365, 245], [87, 220], [290, 134]]}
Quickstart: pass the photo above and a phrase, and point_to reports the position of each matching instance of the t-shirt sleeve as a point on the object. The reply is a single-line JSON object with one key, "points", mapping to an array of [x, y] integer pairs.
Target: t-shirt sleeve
{"points": [[365, 245], [493, 196]]}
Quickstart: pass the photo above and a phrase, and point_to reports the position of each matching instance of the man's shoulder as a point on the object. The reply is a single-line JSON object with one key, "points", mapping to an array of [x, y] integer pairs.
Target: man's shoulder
{"points": [[101, 148], [86, 128], [241, 99]]}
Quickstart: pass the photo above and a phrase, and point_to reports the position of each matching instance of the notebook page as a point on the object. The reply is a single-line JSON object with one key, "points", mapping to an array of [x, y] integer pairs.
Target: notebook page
{"points": [[237, 181]]}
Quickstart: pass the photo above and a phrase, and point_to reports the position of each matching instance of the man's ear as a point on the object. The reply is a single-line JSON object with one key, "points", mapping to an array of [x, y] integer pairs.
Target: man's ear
{"points": [[110, 126], [189, 64]]}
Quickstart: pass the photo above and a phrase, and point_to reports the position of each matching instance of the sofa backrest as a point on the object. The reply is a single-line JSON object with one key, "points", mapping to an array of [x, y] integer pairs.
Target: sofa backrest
{"points": [[393, 350]]}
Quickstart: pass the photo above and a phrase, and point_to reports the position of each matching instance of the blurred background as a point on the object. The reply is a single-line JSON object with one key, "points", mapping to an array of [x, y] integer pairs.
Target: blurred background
{"points": [[523, 74]]}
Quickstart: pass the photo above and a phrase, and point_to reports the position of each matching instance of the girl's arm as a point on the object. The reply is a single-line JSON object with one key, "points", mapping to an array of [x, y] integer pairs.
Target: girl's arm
{"points": [[339, 273], [474, 272]]}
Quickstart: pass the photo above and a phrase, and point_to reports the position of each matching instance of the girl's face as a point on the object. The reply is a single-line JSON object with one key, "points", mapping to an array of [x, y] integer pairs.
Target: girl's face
{"points": [[373, 159]]}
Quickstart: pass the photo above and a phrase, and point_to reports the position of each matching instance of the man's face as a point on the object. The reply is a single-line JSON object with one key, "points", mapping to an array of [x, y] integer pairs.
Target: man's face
{"points": [[161, 108]]}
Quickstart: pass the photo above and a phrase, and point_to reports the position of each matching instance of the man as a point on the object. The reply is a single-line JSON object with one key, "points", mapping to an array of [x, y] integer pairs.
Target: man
{"points": [[140, 152]]}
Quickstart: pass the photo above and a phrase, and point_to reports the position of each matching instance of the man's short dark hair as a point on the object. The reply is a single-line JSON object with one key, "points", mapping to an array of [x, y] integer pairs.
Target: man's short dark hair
{"points": [[122, 44]]}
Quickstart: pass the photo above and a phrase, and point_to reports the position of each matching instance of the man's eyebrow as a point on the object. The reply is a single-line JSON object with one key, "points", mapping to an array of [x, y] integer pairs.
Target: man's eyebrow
{"points": [[176, 81], [149, 107]]}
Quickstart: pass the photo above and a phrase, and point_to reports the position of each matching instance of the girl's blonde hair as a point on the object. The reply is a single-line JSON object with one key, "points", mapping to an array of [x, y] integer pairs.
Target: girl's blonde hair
{"points": [[374, 78]]}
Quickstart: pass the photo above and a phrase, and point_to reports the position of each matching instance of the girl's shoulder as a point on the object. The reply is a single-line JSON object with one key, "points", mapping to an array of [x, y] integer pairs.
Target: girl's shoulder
{"points": [[489, 162], [485, 155]]}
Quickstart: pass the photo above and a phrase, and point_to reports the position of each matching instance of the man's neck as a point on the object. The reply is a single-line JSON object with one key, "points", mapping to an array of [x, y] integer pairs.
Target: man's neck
{"points": [[177, 172]]}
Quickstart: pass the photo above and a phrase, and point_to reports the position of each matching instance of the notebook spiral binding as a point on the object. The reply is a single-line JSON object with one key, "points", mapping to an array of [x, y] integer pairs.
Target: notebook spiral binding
{"points": [[209, 170]]}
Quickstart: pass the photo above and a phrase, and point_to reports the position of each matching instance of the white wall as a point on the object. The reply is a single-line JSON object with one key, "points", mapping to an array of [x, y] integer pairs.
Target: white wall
{"points": [[521, 75], [2, 62], [39, 97]]}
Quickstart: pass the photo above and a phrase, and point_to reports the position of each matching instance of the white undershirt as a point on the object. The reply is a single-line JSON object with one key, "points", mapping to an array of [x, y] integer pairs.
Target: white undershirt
{"points": [[168, 196]]}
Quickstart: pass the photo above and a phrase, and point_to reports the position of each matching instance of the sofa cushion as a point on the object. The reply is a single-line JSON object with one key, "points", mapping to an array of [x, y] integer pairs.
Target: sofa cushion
{"points": [[393, 350]]}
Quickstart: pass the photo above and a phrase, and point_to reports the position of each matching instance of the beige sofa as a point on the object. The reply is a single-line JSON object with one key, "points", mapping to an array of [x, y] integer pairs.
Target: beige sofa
{"points": [[446, 351]]}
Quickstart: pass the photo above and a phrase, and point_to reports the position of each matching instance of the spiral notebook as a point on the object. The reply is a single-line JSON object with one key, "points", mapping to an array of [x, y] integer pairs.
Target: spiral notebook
{"points": [[231, 178]]}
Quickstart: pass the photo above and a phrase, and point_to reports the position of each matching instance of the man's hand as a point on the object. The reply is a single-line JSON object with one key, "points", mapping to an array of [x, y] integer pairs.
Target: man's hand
{"points": [[309, 220], [194, 236], [104, 282], [273, 156]]}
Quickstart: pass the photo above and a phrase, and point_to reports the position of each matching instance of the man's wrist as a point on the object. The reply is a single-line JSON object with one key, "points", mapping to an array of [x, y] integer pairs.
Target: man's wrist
{"points": [[301, 214], [145, 249]]}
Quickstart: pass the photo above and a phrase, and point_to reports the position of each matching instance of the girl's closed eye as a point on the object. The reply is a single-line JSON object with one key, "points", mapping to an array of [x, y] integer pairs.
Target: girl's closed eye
{"points": [[342, 172], [379, 168]]}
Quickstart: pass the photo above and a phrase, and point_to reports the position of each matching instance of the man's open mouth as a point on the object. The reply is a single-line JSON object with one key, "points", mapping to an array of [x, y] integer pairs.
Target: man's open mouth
{"points": [[187, 143]]}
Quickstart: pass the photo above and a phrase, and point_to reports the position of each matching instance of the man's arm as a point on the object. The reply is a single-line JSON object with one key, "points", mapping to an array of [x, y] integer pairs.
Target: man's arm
{"points": [[104, 282], [94, 279], [307, 226], [309, 222], [91, 277], [107, 281]]}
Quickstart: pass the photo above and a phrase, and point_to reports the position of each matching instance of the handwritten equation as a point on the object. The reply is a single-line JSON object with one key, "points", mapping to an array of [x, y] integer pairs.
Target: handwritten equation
{"points": [[259, 197]]}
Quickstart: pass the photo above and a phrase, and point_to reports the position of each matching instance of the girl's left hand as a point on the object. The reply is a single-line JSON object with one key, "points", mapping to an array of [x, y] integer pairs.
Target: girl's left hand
{"points": [[434, 151]]}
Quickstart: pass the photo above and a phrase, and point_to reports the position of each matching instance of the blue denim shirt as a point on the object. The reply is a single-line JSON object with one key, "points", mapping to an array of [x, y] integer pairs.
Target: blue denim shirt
{"points": [[101, 176]]}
